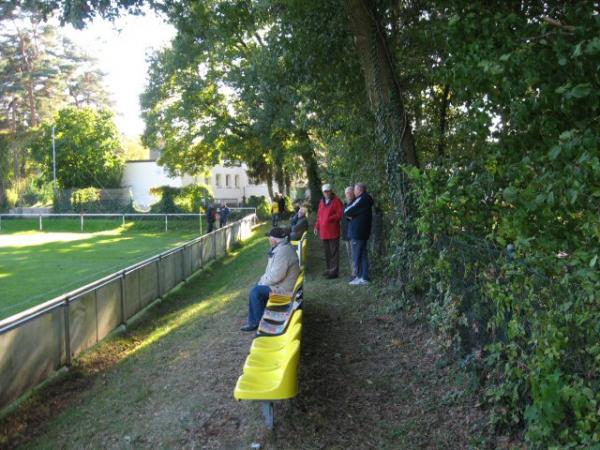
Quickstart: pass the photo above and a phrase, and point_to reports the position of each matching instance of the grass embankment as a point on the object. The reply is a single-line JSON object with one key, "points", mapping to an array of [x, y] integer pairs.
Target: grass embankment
{"points": [[368, 379], [37, 266]]}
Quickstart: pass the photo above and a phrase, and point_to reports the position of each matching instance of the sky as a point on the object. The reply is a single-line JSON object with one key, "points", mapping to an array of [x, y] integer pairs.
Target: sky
{"points": [[121, 48]]}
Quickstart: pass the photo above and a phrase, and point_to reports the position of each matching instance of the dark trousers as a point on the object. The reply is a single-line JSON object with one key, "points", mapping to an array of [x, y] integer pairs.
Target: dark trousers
{"points": [[211, 225], [275, 220], [259, 296], [332, 255], [360, 258], [348, 245]]}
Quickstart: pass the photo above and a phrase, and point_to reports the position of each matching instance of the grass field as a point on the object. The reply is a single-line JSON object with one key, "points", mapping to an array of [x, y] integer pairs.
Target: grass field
{"points": [[37, 266]]}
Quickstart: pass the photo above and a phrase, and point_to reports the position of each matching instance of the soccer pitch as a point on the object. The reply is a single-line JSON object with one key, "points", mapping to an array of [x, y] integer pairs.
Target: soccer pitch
{"points": [[38, 266]]}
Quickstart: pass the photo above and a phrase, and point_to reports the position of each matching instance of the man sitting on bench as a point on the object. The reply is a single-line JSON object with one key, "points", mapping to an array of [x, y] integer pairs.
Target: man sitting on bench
{"points": [[279, 277]]}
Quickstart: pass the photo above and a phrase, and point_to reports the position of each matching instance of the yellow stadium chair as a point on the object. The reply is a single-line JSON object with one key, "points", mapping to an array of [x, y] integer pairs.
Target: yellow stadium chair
{"points": [[278, 384]]}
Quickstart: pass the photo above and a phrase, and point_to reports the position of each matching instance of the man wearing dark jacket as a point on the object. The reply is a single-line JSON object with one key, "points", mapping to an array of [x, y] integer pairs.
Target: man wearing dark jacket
{"points": [[359, 229]]}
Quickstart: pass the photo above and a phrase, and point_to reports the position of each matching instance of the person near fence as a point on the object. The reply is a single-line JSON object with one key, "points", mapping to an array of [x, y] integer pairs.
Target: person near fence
{"points": [[223, 215], [275, 212], [329, 216], [282, 208], [299, 225], [279, 277], [349, 193], [360, 214], [211, 217]]}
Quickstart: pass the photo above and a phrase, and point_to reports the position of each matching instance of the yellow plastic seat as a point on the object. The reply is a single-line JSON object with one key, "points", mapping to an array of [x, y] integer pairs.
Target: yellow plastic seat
{"points": [[270, 344], [277, 384], [268, 359], [280, 299], [286, 298]]}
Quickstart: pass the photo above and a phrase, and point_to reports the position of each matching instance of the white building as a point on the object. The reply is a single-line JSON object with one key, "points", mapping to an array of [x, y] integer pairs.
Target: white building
{"points": [[230, 184]]}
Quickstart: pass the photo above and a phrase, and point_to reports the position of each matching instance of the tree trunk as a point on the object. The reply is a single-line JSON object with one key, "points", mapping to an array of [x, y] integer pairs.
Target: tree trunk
{"points": [[270, 184], [288, 184], [312, 169], [385, 99]]}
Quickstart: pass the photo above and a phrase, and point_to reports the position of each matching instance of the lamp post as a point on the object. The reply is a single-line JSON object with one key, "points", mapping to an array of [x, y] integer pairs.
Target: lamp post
{"points": [[53, 159]]}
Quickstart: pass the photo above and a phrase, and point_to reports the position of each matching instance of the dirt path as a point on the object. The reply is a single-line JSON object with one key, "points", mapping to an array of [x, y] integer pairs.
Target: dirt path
{"points": [[367, 380]]}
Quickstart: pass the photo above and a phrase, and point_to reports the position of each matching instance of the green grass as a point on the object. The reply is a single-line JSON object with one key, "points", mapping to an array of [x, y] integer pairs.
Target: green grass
{"points": [[367, 380], [33, 271]]}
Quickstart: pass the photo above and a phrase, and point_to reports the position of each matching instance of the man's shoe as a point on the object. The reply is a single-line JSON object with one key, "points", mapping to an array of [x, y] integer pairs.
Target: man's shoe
{"points": [[355, 282], [249, 328], [362, 282]]}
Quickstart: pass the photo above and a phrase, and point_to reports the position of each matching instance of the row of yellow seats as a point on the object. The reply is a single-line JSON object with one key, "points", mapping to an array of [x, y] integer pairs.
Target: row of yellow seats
{"points": [[270, 371]]}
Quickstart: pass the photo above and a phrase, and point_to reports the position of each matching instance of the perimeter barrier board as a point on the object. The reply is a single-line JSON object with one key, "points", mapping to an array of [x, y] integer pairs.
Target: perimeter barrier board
{"points": [[132, 294], [31, 352], [108, 307], [83, 329], [148, 286]]}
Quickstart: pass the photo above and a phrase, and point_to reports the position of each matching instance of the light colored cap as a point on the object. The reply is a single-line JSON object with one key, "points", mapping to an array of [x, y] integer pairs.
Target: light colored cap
{"points": [[326, 187]]}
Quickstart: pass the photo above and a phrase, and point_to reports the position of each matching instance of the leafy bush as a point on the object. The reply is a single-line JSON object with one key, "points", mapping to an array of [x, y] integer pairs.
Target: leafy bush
{"points": [[181, 200], [253, 201], [86, 200], [263, 210]]}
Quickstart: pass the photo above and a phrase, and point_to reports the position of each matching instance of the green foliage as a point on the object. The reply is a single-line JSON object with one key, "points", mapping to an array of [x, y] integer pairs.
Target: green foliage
{"points": [[86, 199], [263, 210], [88, 149], [253, 201], [190, 199]]}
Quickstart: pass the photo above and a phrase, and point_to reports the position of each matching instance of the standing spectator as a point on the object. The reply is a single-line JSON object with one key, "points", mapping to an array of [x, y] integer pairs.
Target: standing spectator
{"points": [[360, 214], [281, 202], [223, 214], [279, 277], [275, 212], [349, 193], [211, 217], [299, 226], [294, 218], [329, 216]]}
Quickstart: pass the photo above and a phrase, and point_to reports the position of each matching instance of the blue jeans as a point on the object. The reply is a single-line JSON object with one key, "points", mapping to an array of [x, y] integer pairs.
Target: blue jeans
{"points": [[259, 295], [360, 258], [275, 220]]}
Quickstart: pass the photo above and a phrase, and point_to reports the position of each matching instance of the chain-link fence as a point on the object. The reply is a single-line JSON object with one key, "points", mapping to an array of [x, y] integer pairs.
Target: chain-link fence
{"points": [[37, 342]]}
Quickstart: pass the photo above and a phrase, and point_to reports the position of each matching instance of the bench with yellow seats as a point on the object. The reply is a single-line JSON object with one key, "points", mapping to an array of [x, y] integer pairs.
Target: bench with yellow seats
{"points": [[271, 369]]}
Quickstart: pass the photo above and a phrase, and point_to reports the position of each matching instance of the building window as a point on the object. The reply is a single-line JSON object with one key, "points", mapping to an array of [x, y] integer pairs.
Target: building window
{"points": [[218, 180], [237, 181], [228, 181], [207, 181]]}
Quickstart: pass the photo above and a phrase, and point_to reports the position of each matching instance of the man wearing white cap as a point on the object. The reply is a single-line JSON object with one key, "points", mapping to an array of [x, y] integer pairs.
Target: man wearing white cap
{"points": [[329, 216]]}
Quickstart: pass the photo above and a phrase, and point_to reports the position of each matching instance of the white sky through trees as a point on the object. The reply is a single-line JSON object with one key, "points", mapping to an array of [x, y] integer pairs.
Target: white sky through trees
{"points": [[121, 48]]}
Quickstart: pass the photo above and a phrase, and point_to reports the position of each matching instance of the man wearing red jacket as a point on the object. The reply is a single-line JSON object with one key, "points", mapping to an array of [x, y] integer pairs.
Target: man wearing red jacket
{"points": [[329, 216]]}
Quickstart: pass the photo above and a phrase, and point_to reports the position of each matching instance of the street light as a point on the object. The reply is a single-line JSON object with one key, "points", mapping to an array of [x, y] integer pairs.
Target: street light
{"points": [[53, 159]]}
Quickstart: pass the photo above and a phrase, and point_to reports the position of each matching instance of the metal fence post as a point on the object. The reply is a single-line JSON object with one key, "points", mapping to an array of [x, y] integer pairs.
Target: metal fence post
{"points": [[40, 222], [123, 219], [67, 334], [81, 220], [123, 298], [200, 215], [0, 223], [214, 242], [158, 276], [166, 223]]}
